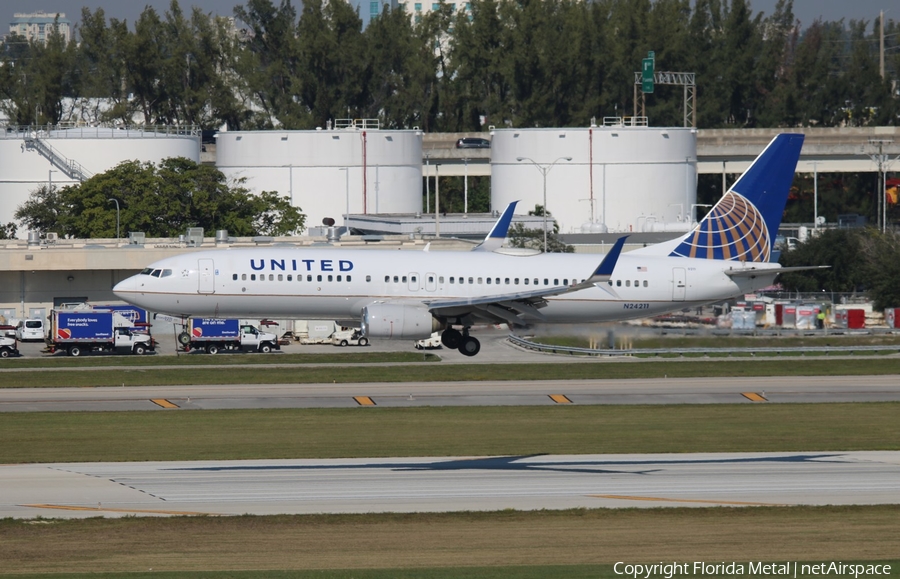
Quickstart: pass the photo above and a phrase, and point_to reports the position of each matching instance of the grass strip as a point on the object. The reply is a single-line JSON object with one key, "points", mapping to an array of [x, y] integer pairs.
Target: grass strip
{"points": [[624, 336], [459, 372], [575, 543], [224, 359], [42, 437]]}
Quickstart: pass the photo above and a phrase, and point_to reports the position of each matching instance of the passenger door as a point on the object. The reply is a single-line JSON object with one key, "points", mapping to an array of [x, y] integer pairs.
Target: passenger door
{"points": [[679, 286], [207, 276]]}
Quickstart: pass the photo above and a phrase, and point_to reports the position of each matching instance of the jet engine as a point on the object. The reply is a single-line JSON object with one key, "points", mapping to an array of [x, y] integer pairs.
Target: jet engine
{"points": [[398, 322]]}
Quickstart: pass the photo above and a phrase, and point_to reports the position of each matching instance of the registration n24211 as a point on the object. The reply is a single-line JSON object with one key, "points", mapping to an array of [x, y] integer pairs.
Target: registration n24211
{"points": [[635, 306]]}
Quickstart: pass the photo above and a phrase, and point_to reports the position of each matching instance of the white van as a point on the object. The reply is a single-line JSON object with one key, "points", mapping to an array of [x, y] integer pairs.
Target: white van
{"points": [[30, 330]]}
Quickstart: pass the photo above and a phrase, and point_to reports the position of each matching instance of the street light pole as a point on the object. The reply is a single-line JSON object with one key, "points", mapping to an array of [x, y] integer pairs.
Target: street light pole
{"points": [[116, 201], [50, 180], [544, 169]]}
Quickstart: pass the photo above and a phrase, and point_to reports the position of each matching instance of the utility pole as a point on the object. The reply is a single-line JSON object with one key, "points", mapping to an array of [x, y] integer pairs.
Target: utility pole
{"points": [[881, 160], [881, 43]]}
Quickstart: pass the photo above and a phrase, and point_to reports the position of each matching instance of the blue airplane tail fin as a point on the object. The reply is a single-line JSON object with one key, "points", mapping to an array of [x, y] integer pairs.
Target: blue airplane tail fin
{"points": [[743, 224]]}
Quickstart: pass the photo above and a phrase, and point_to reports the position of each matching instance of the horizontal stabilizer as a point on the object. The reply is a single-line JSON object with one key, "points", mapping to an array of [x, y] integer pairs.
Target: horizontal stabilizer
{"points": [[754, 271]]}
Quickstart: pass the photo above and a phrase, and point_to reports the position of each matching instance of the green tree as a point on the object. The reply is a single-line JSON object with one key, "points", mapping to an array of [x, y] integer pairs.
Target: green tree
{"points": [[161, 201], [520, 236], [269, 62], [838, 248], [101, 63]]}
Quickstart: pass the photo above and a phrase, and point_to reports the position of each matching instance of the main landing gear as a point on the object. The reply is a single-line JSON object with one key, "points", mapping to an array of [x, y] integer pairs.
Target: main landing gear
{"points": [[462, 341]]}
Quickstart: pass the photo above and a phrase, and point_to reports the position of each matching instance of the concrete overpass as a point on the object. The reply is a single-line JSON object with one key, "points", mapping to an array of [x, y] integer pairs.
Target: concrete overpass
{"points": [[826, 150]]}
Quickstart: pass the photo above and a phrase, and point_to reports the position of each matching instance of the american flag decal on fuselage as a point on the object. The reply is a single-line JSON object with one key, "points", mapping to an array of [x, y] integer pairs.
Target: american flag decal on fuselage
{"points": [[734, 230]]}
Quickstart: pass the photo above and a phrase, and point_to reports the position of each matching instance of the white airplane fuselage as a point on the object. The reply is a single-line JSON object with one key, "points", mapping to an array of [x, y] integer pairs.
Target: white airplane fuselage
{"points": [[338, 283]]}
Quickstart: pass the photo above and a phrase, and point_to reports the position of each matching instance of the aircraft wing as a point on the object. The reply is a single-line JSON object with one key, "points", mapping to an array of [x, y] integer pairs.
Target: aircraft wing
{"points": [[519, 307], [497, 235]]}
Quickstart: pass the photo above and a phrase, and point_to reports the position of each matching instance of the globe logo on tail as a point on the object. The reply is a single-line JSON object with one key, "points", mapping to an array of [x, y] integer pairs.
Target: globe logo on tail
{"points": [[734, 230]]}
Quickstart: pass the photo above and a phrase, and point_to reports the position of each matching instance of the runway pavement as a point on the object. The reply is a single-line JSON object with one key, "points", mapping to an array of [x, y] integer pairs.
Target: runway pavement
{"points": [[755, 390], [447, 484]]}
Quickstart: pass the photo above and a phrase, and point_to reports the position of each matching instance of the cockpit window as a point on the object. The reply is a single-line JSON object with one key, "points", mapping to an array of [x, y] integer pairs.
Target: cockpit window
{"points": [[146, 271], [166, 273], [156, 272]]}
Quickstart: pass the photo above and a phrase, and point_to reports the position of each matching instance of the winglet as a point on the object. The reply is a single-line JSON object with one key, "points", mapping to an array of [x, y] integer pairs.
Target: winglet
{"points": [[497, 235], [605, 269]]}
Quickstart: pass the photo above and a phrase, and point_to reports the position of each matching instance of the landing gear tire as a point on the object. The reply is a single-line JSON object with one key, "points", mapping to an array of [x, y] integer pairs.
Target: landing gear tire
{"points": [[184, 338], [452, 338], [212, 349], [470, 346]]}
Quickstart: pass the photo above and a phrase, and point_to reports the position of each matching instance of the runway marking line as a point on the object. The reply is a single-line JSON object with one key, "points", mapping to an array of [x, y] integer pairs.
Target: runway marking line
{"points": [[635, 498], [364, 401], [105, 509], [560, 398], [164, 403], [754, 397]]}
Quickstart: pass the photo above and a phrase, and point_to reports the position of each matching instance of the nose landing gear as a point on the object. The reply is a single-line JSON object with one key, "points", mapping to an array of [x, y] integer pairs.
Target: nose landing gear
{"points": [[462, 341]]}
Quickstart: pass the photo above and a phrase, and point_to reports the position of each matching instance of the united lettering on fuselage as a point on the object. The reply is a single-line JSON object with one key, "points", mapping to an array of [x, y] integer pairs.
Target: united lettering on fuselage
{"points": [[410, 294], [301, 264]]}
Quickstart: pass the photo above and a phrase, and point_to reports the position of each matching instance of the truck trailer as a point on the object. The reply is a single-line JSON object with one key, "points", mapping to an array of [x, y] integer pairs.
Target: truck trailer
{"points": [[215, 335], [80, 331]]}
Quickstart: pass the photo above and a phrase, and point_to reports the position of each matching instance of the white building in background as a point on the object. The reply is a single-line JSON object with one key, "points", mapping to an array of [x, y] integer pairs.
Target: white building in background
{"points": [[353, 169], [38, 25], [611, 178], [31, 158]]}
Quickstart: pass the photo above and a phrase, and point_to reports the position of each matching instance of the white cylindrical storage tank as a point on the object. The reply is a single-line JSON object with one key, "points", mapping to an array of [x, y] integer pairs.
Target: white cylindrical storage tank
{"points": [[31, 158], [626, 178], [329, 173]]}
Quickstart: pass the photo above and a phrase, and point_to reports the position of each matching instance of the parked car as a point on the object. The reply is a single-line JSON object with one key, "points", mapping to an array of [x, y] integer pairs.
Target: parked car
{"points": [[27, 330], [431, 343], [473, 143]]}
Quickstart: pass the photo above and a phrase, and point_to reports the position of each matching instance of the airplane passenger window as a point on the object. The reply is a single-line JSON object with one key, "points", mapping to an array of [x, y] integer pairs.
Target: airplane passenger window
{"points": [[470, 280], [339, 278], [440, 279], [413, 279], [290, 277], [271, 277], [451, 279], [348, 278], [489, 281], [555, 281], [252, 277], [309, 278], [280, 277], [319, 277], [479, 281], [368, 278], [497, 281], [535, 281], [387, 278], [244, 277], [609, 282], [546, 281], [526, 281], [396, 279], [566, 282], [234, 277], [430, 279], [516, 281], [329, 278], [618, 283], [627, 283], [637, 283], [506, 281], [404, 279], [645, 283]]}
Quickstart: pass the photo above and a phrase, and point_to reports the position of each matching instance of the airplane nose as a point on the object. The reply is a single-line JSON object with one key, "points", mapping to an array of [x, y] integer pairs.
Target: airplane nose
{"points": [[124, 287]]}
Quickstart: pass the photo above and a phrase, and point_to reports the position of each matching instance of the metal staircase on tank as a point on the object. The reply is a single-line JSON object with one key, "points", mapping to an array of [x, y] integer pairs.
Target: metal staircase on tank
{"points": [[68, 166]]}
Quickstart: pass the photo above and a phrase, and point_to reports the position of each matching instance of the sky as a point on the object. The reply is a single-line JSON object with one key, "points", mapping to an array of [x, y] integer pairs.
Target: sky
{"points": [[805, 10]]}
